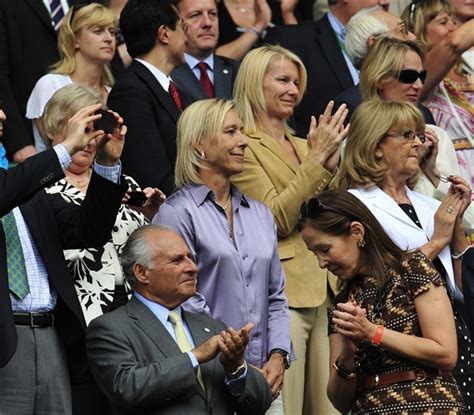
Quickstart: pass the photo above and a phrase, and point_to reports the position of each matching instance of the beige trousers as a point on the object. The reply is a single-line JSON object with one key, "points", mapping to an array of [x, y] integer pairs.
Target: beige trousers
{"points": [[304, 388]]}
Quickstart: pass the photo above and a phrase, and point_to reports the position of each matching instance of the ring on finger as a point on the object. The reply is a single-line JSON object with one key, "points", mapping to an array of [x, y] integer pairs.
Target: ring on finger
{"points": [[450, 209]]}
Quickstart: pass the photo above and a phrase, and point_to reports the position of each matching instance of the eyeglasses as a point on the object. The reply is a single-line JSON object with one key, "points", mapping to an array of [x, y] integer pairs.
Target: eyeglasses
{"points": [[409, 76], [408, 135], [401, 27]]}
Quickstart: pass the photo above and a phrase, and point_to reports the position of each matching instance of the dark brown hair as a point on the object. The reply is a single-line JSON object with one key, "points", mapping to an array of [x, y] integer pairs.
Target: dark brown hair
{"points": [[339, 209]]}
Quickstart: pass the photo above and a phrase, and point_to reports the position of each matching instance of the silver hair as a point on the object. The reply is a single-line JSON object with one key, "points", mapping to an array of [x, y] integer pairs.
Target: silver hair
{"points": [[358, 30], [138, 250]]}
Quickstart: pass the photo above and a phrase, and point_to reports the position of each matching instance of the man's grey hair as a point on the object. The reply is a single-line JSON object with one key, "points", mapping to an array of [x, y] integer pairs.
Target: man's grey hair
{"points": [[139, 250], [358, 30]]}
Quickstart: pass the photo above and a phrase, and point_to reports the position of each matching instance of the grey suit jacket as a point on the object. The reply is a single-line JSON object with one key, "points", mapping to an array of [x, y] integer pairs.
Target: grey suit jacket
{"points": [[225, 72], [140, 368]]}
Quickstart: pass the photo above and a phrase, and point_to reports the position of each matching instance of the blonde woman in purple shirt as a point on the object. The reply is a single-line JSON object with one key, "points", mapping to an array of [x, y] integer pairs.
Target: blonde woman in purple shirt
{"points": [[233, 238]]}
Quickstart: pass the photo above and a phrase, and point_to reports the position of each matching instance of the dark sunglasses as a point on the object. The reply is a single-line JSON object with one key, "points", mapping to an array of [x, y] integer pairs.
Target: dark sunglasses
{"points": [[409, 76], [79, 6], [314, 207]]}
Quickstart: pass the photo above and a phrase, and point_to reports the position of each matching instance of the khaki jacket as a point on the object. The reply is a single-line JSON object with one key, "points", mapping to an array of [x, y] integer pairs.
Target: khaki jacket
{"points": [[269, 176]]}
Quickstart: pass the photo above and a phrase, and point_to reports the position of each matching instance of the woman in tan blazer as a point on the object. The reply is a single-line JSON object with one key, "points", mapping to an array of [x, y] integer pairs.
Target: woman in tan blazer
{"points": [[285, 171]]}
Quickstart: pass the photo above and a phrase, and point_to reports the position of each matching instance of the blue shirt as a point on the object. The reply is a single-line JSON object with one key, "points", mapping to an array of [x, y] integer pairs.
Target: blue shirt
{"points": [[193, 62], [237, 284], [41, 296]]}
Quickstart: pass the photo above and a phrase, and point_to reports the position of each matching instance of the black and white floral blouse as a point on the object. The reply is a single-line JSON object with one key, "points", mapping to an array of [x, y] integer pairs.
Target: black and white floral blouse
{"points": [[97, 271]]}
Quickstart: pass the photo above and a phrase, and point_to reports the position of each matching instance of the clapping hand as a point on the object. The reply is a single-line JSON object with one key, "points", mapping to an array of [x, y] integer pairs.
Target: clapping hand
{"points": [[350, 320], [325, 137], [232, 344]]}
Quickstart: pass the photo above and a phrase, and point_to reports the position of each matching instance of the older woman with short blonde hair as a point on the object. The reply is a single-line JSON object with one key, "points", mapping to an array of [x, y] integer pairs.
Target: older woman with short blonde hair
{"points": [[284, 171]]}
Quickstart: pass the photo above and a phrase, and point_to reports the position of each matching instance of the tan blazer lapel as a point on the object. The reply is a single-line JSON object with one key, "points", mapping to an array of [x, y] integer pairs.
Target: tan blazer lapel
{"points": [[276, 149]]}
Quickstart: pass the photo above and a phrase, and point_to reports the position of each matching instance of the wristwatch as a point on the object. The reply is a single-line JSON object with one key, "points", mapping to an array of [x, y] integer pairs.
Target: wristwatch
{"points": [[284, 354]]}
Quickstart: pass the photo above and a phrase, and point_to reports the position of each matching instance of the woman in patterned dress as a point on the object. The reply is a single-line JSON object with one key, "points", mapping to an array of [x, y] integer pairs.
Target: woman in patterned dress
{"points": [[388, 354], [97, 273]]}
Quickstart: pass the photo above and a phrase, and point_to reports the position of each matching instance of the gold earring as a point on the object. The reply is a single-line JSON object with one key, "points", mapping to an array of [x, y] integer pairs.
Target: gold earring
{"points": [[361, 243]]}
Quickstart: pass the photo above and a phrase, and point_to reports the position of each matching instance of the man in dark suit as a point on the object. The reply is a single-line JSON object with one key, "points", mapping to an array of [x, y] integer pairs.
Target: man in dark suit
{"points": [[144, 96], [320, 45], [152, 357], [40, 320], [205, 74]]}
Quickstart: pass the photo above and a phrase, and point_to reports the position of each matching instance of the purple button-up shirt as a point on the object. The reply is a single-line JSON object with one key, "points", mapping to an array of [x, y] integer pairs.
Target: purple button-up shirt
{"points": [[239, 283]]}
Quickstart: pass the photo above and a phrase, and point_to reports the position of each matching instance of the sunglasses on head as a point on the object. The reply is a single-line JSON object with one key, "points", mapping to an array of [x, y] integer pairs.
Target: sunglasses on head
{"points": [[314, 207], [409, 76]]}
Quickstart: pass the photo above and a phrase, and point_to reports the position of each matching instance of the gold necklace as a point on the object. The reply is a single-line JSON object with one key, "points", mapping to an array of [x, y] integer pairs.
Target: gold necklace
{"points": [[226, 205], [78, 183]]}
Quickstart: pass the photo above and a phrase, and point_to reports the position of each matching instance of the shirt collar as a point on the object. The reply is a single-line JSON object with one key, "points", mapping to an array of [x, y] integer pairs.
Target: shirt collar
{"points": [[201, 192], [163, 79], [337, 26], [160, 311], [192, 61]]}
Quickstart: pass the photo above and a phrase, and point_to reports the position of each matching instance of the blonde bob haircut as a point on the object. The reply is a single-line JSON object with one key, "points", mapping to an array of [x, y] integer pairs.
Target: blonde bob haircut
{"points": [[199, 127], [370, 123], [93, 14], [248, 88], [384, 60], [64, 103], [418, 15]]}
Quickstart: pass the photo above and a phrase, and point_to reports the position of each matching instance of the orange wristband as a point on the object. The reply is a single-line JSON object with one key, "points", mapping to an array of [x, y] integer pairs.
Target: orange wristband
{"points": [[378, 336]]}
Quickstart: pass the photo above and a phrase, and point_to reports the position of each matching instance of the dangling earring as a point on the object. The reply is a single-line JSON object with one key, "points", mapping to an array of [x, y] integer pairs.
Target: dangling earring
{"points": [[378, 154], [361, 243]]}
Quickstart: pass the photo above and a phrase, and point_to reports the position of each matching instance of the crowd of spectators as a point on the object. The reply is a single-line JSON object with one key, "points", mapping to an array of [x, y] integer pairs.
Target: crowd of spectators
{"points": [[227, 206]]}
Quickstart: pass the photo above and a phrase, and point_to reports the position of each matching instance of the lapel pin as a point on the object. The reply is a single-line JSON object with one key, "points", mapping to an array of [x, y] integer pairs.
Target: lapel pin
{"points": [[225, 71], [207, 330]]}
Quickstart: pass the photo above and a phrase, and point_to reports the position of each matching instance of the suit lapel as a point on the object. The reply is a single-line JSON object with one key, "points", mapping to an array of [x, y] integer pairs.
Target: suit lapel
{"points": [[384, 202], [223, 87], [161, 95], [327, 40], [186, 81], [276, 149], [153, 328], [40, 9], [200, 335]]}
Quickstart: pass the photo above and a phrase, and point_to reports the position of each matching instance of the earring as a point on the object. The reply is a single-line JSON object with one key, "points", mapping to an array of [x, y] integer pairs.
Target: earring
{"points": [[361, 243], [202, 155], [378, 154]]}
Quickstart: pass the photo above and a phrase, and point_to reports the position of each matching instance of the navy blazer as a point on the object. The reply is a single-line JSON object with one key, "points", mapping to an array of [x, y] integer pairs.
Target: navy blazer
{"points": [[150, 115], [225, 72], [54, 225]]}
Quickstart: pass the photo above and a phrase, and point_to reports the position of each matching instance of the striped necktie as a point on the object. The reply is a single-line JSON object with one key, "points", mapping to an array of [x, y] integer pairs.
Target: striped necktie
{"points": [[57, 13], [17, 277]]}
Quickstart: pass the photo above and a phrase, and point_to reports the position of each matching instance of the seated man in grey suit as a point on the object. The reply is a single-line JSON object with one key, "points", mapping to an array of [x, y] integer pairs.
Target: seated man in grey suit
{"points": [[204, 75], [152, 357]]}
